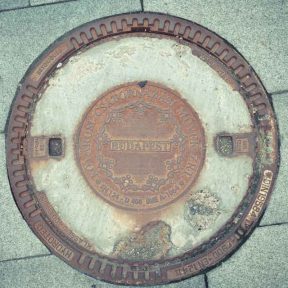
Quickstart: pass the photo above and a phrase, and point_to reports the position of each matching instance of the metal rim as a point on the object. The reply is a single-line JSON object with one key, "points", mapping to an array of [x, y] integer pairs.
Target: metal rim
{"points": [[229, 64]]}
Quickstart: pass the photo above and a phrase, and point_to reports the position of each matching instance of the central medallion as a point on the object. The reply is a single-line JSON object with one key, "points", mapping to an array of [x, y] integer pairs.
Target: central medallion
{"points": [[140, 146]]}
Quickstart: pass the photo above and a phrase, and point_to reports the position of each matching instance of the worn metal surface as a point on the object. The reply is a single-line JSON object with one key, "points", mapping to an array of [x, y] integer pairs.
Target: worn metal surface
{"points": [[142, 256]]}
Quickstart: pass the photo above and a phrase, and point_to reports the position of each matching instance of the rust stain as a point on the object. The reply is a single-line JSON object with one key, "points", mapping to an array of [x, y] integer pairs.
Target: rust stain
{"points": [[151, 242]]}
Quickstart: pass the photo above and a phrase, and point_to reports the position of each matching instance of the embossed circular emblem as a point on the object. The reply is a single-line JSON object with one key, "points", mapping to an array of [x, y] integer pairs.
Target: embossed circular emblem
{"points": [[140, 146]]}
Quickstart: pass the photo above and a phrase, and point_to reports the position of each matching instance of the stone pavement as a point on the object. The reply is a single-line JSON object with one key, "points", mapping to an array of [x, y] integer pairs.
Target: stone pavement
{"points": [[258, 29]]}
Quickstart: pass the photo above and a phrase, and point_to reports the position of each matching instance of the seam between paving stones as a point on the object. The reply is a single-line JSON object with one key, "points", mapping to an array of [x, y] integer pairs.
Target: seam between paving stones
{"points": [[44, 4], [34, 6], [26, 258], [142, 5], [273, 224], [279, 92], [206, 281]]}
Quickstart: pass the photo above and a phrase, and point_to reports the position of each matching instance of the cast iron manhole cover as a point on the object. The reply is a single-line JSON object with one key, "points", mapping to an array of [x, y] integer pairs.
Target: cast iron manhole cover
{"points": [[141, 149]]}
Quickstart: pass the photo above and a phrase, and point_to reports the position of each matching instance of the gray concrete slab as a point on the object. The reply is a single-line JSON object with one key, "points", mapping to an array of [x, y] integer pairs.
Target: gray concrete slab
{"points": [[40, 2], [26, 33], [260, 262], [11, 4], [50, 272], [258, 29], [277, 211], [16, 238]]}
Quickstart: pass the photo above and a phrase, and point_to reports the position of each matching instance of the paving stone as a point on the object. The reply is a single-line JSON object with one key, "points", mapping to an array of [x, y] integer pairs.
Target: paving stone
{"points": [[50, 272], [258, 29], [11, 4], [26, 33], [260, 262], [39, 2], [277, 211], [16, 238]]}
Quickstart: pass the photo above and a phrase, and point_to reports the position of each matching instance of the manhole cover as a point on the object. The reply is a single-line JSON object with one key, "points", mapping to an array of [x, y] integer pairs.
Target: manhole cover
{"points": [[141, 149]]}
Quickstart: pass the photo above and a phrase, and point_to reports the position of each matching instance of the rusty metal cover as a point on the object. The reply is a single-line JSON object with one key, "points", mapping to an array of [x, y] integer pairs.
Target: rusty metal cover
{"points": [[140, 136], [141, 149]]}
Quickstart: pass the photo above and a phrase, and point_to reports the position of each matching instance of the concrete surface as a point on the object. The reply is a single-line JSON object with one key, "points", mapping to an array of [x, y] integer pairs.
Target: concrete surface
{"points": [[6, 4], [258, 29], [25, 33], [260, 262]]}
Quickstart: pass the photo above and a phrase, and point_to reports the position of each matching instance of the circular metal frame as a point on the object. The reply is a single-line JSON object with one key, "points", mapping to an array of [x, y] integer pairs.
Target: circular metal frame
{"points": [[41, 217]]}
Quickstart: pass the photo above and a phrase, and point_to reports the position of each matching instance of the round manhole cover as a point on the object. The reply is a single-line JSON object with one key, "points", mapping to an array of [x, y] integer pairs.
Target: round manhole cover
{"points": [[141, 149]]}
